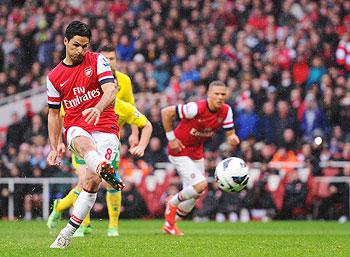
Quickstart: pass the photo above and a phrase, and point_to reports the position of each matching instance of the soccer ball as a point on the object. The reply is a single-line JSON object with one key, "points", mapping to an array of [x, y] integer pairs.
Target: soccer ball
{"points": [[231, 174]]}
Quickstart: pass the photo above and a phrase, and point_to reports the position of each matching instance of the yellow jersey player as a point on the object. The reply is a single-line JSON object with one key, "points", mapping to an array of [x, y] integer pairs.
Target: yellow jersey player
{"points": [[127, 113]]}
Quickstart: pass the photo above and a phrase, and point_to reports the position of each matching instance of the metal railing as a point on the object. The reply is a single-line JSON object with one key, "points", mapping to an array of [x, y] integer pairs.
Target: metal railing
{"points": [[46, 182], [46, 194]]}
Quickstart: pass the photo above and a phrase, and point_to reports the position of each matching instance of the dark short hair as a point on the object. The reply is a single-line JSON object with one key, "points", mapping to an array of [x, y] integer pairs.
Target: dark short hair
{"points": [[106, 48], [216, 83], [77, 28]]}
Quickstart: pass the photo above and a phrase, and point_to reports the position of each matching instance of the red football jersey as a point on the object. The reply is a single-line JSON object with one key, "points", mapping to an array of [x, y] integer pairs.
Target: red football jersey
{"points": [[78, 87], [199, 124]]}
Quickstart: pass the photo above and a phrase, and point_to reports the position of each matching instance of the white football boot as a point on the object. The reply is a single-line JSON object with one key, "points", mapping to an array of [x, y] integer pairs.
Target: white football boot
{"points": [[61, 242]]}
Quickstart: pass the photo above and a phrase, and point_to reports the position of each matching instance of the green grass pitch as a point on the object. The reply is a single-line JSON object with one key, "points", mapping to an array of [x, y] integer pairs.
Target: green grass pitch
{"points": [[144, 238]]}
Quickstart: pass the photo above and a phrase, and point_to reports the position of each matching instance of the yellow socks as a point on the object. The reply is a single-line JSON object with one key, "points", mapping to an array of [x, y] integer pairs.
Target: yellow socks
{"points": [[86, 221], [68, 200], [114, 199]]}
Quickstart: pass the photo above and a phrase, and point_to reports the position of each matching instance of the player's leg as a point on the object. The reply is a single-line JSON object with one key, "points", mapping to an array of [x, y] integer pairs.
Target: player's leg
{"points": [[85, 225], [82, 207], [194, 183], [91, 147], [82, 144], [192, 175], [69, 200], [60, 205], [113, 199], [107, 144], [185, 207], [72, 196]]}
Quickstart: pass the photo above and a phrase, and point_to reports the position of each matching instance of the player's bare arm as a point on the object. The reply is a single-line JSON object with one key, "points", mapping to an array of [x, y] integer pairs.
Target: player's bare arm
{"points": [[168, 115], [232, 138], [146, 133], [94, 113], [54, 128], [134, 136], [61, 148]]}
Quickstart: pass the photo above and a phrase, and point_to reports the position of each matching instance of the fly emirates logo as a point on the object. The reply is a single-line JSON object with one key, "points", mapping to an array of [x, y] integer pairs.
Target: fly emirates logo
{"points": [[81, 96], [206, 133]]}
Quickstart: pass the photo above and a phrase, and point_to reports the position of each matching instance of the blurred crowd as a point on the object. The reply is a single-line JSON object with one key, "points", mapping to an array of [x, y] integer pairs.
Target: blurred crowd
{"points": [[286, 65]]}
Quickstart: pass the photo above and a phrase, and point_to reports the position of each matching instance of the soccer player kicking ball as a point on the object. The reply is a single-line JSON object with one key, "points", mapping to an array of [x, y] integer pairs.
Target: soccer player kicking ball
{"points": [[127, 113], [199, 122], [83, 82]]}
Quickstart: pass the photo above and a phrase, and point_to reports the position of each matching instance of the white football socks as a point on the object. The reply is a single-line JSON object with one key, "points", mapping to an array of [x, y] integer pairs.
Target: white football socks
{"points": [[185, 194], [93, 161], [185, 207], [82, 206]]}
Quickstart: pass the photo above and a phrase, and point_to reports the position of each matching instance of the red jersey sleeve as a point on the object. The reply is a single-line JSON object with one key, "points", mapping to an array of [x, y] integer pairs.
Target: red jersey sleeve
{"points": [[228, 121], [53, 95], [104, 72], [187, 111]]}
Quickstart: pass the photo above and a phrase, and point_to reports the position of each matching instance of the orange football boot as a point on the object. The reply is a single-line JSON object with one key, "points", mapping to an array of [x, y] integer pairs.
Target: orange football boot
{"points": [[170, 213], [172, 230]]}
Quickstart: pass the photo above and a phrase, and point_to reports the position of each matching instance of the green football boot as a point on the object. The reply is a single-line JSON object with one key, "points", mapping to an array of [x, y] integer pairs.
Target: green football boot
{"points": [[112, 232], [54, 217]]}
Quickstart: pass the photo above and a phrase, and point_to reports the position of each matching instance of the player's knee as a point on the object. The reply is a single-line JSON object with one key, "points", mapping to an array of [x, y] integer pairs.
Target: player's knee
{"points": [[201, 186], [83, 145], [92, 182]]}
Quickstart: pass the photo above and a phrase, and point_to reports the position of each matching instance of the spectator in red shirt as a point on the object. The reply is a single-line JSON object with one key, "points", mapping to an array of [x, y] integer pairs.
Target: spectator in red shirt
{"points": [[257, 20]]}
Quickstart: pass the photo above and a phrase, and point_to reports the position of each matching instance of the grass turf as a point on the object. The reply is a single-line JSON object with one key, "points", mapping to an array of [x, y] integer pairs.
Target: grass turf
{"points": [[144, 238]]}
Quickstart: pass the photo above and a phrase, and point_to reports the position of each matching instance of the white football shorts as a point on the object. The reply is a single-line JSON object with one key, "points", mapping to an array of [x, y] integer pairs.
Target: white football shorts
{"points": [[107, 144], [190, 171]]}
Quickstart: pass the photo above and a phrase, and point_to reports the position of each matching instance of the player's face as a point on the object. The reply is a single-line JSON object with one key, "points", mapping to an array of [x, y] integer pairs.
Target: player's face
{"points": [[76, 48], [217, 96], [112, 58]]}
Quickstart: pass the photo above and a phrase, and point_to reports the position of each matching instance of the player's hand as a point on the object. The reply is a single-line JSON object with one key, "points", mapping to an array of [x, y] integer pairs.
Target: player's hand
{"points": [[91, 115], [133, 140], [176, 145], [233, 139], [53, 159], [137, 151], [61, 149]]}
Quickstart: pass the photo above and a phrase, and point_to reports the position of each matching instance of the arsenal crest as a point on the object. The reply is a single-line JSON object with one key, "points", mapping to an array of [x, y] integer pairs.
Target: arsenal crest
{"points": [[220, 120], [88, 71]]}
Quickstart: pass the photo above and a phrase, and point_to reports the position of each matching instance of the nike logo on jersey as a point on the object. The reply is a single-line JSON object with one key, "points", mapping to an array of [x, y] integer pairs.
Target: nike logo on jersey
{"points": [[62, 84]]}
